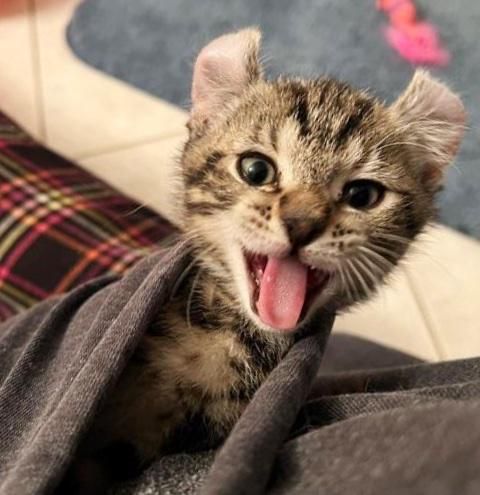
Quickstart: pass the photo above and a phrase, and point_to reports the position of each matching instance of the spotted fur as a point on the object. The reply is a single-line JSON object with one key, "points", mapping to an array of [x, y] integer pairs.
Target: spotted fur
{"points": [[208, 352]]}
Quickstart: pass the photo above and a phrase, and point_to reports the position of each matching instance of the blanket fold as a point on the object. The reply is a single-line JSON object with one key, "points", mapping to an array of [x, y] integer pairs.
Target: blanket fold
{"points": [[404, 430], [59, 359], [243, 464], [412, 429]]}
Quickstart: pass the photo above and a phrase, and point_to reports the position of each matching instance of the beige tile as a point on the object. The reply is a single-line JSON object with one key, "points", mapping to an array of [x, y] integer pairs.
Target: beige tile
{"points": [[445, 276], [18, 81], [87, 111], [146, 172], [393, 318]]}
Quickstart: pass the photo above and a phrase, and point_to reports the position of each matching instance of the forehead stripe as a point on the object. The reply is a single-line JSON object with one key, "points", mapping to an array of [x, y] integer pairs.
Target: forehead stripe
{"points": [[300, 109], [353, 121]]}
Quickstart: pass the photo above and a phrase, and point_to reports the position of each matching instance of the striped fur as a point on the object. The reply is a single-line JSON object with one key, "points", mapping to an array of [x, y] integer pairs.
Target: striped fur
{"points": [[209, 352]]}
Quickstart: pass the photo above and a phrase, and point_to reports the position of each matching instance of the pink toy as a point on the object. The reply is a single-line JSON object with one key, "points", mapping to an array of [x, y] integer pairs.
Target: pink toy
{"points": [[414, 40]]}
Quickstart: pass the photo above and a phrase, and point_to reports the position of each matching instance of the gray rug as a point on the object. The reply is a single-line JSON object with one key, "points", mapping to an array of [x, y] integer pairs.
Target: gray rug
{"points": [[152, 43]]}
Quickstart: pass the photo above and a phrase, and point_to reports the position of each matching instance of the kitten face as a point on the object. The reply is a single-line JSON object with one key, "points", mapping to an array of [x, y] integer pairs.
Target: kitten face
{"points": [[301, 195]]}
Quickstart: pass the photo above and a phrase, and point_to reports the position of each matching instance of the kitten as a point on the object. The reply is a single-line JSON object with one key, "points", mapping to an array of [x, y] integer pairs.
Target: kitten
{"points": [[300, 196]]}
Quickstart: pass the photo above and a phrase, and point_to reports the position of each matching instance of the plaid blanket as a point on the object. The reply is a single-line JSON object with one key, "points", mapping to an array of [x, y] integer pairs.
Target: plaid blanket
{"points": [[59, 225]]}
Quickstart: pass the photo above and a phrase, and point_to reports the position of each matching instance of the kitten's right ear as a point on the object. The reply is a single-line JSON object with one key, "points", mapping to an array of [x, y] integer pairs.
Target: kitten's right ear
{"points": [[223, 70]]}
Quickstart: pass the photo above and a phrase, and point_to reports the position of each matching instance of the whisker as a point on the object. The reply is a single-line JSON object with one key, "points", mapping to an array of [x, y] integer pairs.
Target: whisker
{"points": [[358, 276], [365, 264], [190, 297], [384, 252], [351, 280], [342, 279], [137, 208], [391, 237], [378, 257], [182, 277], [364, 257], [188, 269], [409, 143], [434, 151], [346, 282], [427, 122], [398, 131], [418, 247]]}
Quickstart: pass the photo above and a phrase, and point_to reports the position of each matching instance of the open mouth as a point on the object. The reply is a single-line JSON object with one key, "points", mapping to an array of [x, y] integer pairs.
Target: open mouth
{"points": [[283, 289]]}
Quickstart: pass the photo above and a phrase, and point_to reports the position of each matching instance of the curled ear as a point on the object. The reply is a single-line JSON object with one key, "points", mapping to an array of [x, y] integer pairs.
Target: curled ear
{"points": [[223, 70], [434, 118]]}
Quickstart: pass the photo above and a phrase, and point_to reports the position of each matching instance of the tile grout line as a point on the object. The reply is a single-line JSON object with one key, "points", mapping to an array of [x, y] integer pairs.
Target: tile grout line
{"points": [[128, 146], [37, 72], [429, 323]]}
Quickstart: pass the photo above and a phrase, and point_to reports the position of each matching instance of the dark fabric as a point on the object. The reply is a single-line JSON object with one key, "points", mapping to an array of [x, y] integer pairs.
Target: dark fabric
{"points": [[350, 353], [152, 44], [59, 225], [407, 430], [243, 464], [179, 474], [182, 474], [424, 450], [60, 358]]}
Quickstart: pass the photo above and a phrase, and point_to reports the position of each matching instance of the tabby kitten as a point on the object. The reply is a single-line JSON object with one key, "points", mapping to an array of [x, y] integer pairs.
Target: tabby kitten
{"points": [[300, 196]]}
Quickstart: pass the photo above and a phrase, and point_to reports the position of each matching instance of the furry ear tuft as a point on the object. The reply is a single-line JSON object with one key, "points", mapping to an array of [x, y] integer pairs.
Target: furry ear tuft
{"points": [[223, 70], [435, 119]]}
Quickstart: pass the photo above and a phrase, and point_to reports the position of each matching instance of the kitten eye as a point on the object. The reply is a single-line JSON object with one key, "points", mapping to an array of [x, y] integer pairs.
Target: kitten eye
{"points": [[363, 194], [256, 171]]}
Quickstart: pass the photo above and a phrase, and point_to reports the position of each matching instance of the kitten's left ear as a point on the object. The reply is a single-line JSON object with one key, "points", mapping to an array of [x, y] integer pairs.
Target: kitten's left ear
{"points": [[223, 70], [434, 118]]}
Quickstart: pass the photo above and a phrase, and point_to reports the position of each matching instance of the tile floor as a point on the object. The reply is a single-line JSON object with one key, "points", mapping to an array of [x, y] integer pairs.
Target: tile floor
{"points": [[130, 139]]}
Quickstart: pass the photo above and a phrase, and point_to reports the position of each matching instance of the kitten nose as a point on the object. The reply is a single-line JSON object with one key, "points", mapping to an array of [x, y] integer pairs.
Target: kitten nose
{"points": [[305, 215], [302, 231]]}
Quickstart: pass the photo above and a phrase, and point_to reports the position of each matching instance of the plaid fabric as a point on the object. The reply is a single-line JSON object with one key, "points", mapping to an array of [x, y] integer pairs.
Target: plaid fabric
{"points": [[59, 225]]}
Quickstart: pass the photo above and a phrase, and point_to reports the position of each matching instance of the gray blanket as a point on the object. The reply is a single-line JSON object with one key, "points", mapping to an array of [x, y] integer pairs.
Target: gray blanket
{"points": [[406, 430], [411, 430], [59, 359]]}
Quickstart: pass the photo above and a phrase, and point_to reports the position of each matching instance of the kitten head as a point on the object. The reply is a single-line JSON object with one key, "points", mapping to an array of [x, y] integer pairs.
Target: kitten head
{"points": [[304, 194]]}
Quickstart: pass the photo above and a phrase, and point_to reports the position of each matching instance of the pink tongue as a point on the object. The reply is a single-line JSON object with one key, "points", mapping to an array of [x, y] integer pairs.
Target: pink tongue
{"points": [[282, 292]]}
